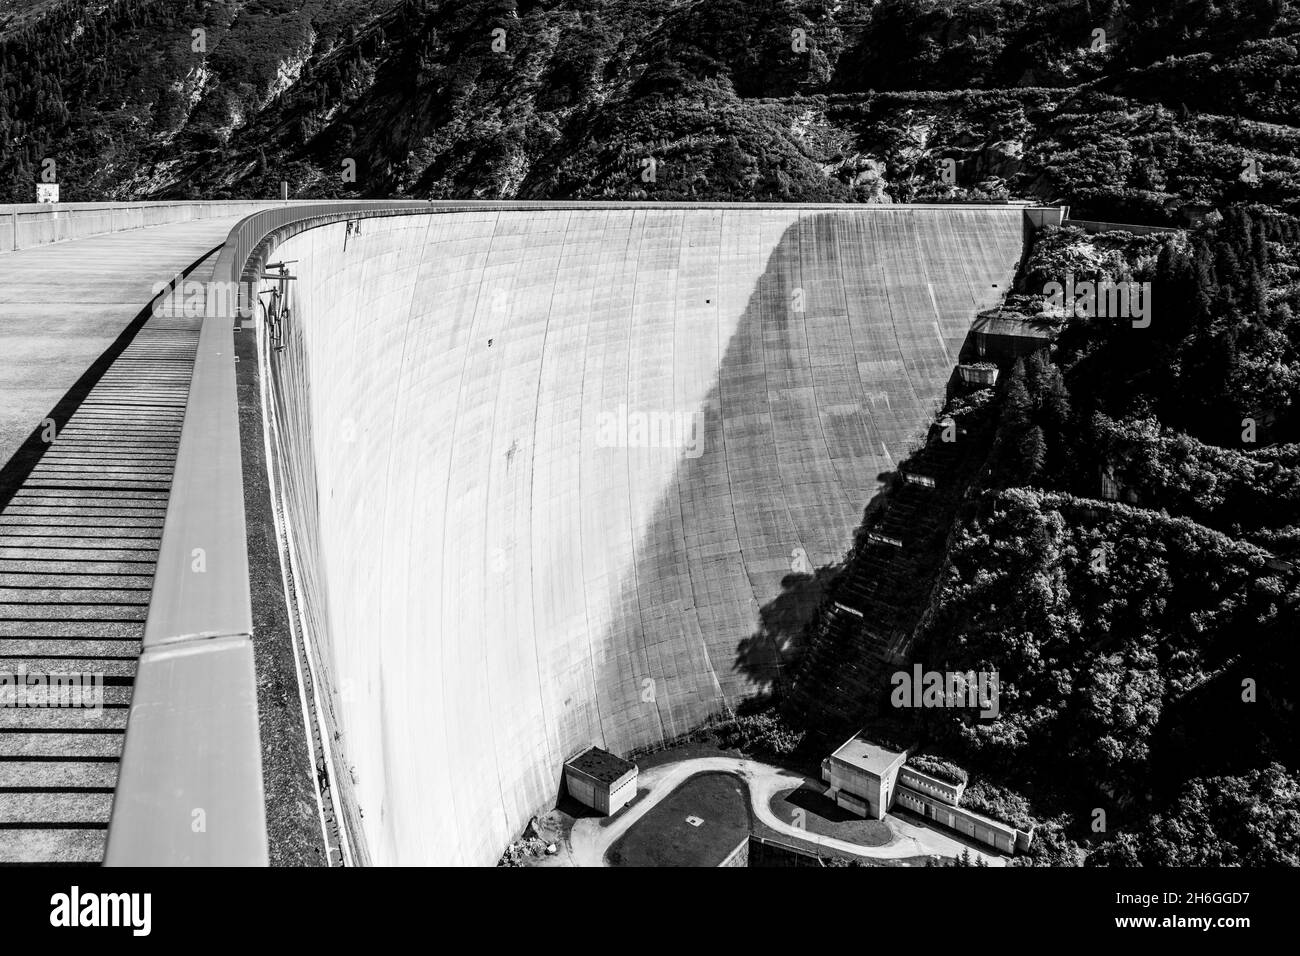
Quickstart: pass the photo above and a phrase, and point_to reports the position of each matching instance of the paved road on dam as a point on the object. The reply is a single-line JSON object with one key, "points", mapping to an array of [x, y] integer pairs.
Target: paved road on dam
{"points": [[557, 477], [81, 516]]}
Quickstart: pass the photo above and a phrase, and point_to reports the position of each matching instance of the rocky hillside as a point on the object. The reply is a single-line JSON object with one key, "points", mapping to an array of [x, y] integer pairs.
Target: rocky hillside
{"points": [[1124, 110]]}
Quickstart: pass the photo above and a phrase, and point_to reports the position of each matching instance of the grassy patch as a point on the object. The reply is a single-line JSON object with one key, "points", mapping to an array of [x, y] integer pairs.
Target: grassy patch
{"points": [[663, 837], [824, 817]]}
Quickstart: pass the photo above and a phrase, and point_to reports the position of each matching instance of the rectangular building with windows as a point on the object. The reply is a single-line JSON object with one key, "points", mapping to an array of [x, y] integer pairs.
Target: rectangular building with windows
{"points": [[863, 776], [867, 778]]}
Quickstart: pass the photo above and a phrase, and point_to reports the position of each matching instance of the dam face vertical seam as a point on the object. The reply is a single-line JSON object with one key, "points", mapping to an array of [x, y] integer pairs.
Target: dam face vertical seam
{"points": [[677, 488], [446, 502], [850, 504], [582, 432], [776, 255], [627, 465], [395, 229], [893, 327], [677, 219], [532, 466], [924, 265], [487, 514], [672, 493], [723, 348], [873, 431]]}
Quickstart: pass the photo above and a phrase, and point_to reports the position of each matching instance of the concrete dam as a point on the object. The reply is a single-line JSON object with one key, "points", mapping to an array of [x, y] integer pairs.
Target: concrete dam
{"points": [[549, 477]]}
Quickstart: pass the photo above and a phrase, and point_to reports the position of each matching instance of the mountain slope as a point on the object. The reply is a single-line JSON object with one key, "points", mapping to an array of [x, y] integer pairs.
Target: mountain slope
{"points": [[716, 99]]}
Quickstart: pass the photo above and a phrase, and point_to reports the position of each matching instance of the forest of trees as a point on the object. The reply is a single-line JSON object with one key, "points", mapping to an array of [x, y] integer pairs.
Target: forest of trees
{"points": [[1128, 558]]}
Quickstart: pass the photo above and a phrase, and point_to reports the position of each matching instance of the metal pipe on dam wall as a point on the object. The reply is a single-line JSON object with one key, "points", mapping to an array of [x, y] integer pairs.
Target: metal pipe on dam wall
{"points": [[551, 476]]}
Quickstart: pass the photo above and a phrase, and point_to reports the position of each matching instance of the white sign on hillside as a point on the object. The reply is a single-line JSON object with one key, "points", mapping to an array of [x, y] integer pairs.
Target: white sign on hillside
{"points": [[47, 192]]}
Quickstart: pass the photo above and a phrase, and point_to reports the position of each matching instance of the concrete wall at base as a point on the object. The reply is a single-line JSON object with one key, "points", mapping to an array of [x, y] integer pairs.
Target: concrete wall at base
{"points": [[1092, 225], [862, 787], [774, 853], [855, 804], [582, 790], [621, 795], [601, 798], [999, 347], [495, 563], [997, 835], [932, 786], [1045, 216], [739, 856]]}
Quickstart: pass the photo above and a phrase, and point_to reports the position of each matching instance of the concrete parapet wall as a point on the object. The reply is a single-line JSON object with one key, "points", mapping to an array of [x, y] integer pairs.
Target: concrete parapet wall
{"points": [[1092, 225], [25, 225], [933, 786], [1000, 836], [1040, 216]]}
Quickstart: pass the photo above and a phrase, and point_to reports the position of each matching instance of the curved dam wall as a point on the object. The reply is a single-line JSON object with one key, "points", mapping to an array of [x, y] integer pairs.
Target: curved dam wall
{"points": [[552, 478]]}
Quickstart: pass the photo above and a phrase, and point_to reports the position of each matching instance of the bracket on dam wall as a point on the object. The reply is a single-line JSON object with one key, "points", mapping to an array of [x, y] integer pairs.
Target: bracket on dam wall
{"points": [[192, 741]]}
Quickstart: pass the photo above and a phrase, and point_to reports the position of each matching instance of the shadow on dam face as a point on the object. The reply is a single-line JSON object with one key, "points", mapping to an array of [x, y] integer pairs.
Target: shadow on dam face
{"points": [[612, 521]]}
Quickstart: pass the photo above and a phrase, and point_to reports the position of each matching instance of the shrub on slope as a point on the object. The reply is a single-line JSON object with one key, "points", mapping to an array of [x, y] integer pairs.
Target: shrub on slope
{"points": [[1100, 620], [1248, 820]]}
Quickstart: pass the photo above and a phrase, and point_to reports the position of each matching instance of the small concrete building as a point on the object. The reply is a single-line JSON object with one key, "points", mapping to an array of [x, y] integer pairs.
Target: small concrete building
{"points": [[1005, 336], [1001, 836], [867, 779], [601, 780], [862, 776]]}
